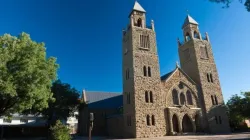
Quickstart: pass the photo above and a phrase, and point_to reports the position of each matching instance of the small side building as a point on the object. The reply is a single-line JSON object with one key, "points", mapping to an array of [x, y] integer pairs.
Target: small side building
{"points": [[105, 105]]}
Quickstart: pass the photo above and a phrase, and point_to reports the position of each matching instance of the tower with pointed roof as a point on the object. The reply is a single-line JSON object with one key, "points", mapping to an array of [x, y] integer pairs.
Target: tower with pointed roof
{"points": [[197, 60], [142, 104]]}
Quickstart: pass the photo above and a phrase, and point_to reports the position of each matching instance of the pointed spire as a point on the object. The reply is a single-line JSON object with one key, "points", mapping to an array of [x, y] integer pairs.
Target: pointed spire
{"points": [[189, 20], [138, 7]]}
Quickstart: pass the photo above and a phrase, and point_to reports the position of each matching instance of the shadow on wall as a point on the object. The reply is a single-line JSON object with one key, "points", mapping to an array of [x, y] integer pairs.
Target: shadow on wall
{"points": [[102, 109], [218, 119], [24, 131]]}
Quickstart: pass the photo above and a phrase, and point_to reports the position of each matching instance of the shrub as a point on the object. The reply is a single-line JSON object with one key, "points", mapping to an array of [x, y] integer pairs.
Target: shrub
{"points": [[59, 132]]}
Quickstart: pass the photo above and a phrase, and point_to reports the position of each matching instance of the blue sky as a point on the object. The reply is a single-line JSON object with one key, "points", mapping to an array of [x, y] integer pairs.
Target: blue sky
{"points": [[85, 36]]}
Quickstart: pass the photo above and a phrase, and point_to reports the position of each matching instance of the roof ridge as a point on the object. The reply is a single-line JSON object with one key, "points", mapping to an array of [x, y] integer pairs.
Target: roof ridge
{"points": [[102, 92]]}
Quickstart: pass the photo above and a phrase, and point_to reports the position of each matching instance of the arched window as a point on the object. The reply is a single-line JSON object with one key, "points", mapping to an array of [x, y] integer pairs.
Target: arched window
{"points": [[182, 99], [220, 121], [151, 96], [208, 79], [146, 96], [196, 35], [215, 99], [175, 97], [211, 78], [189, 98], [187, 37], [148, 120], [139, 22], [145, 70], [128, 98], [149, 71], [212, 99], [153, 119]]}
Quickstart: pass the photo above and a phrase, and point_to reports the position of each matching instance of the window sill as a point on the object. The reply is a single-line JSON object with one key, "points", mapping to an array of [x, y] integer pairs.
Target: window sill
{"points": [[146, 49], [204, 58]]}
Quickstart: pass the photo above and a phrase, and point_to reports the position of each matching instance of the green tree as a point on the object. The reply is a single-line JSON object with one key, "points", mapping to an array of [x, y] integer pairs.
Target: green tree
{"points": [[59, 132], [66, 102], [228, 2], [26, 74], [238, 109]]}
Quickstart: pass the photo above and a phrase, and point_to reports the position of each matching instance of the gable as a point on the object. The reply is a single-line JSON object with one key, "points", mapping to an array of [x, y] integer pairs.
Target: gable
{"points": [[177, 73], [178, 80]]}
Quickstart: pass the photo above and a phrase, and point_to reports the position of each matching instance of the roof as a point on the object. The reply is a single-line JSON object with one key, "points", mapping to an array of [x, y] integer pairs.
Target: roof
{"points": [[138, 7], [189, 20], [164, 77], [104, 99]]}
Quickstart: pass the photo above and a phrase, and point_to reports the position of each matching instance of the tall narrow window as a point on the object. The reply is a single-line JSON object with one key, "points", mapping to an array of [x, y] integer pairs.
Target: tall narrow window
{"points": [[141, 41], [187, 37], [189, 98], [182, 99], [151, 96], [127, 74], [196, 35], [139, 22], [145, 71], [212, 99], [149, 71], [215, 99], [153, 119], [128, 98], [148, 41], [129, 120], [175, 97], [211, 78], [216, 119], [208, 79], [220, 121], [146, 96], [148, 120]]}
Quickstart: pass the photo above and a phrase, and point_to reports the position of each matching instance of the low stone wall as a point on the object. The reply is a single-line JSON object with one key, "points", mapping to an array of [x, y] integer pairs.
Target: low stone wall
{"points": [[115, 126]]}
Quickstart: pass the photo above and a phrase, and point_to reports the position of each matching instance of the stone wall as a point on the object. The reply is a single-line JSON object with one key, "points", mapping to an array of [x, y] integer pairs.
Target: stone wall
{"points": [[197, 68], [149, 58]]}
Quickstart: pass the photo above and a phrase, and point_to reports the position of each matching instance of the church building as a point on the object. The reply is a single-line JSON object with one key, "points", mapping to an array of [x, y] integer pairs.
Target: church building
{"points": [[186, 100]]}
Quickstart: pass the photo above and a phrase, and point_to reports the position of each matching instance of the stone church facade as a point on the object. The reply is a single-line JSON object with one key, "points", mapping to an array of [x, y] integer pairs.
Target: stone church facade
{"points": [[186, 100]]}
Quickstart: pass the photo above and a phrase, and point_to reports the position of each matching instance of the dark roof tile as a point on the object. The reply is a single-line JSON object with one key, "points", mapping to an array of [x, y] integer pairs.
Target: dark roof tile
{"points": [[105, 100]]}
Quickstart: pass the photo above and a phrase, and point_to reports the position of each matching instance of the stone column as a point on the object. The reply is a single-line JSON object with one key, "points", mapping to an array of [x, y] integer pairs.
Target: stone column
{"points": [[179, 123], [170, 122], [132, 21]]}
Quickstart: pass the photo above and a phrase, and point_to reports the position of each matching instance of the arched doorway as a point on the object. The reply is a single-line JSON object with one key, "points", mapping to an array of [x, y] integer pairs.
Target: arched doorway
{"points": [[197, 123], [187, 124], [175, 123]]}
